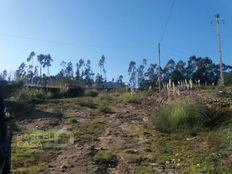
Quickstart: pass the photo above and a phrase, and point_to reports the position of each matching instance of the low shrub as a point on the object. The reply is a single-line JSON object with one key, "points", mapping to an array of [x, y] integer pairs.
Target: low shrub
{"points": [[87, 102], [105, 157], [33, 96], [132, 97], [188, 115], [104, 107], [91, 93]]}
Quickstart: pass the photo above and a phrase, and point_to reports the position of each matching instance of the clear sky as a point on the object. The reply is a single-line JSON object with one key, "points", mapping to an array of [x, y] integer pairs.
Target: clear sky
{"points": [[122, 30]]}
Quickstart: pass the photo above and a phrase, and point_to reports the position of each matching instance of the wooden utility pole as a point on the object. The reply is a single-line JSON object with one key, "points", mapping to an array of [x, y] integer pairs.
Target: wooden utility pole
{"points": [[217, 17], [159, 73]]}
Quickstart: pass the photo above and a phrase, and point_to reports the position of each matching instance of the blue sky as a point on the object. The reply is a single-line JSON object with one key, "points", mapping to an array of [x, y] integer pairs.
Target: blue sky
{"points": [[122, 30]]}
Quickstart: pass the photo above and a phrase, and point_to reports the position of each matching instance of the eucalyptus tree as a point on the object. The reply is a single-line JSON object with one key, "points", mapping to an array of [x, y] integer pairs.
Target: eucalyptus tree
{"points": [[151, 75], [101, 64], [31, 57], [88, 73], [168, 69], [47, 63], [79, 66], [40, 59], [120, 80], [4, 74], [69, 70], [20, 73], [132, 71]]}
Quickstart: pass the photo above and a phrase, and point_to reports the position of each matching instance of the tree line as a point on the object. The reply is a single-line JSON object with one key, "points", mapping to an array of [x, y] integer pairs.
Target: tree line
{"points": [[36, 70]]}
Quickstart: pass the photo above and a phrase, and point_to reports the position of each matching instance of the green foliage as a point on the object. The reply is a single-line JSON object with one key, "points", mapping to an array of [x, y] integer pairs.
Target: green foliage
{"points": [[145, 170], [91, 93], [104, 107], [31, 96], [135, 98], [87, 102], [71, 121], [74, 92], [105, 157], [228, 78], [29, 147], [88, 130], [185, 114]]}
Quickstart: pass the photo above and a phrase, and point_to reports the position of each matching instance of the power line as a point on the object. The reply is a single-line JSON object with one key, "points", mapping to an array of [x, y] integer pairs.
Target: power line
{"points": [[168, 19]]}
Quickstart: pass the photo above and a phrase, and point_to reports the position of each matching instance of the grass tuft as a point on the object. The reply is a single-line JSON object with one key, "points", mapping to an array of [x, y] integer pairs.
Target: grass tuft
{"points": [[135, 98], [105, 157], [185, 114]]}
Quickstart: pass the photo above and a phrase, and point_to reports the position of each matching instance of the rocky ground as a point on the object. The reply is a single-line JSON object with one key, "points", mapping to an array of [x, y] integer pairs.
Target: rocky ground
{"points": [[124, 130]]}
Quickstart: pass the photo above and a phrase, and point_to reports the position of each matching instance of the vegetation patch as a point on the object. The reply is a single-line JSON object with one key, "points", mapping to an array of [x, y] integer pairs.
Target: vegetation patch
{"points": [[132, 97], [87, 102], [145, 170], [28, 151], [31, 96], [185, 114], [88, 131], [105, 157], [104, 107], [91, 93]]}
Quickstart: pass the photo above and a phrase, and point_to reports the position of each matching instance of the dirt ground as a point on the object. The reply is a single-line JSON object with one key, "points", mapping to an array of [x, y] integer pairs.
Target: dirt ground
{"points": [[127, 132]]}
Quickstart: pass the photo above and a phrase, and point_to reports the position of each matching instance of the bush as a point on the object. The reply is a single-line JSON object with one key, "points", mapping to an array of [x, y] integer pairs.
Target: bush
{"points": [[27, 95], [87, 102], [105, 157], [91, 93], [135, 98], [104, 107], [74, 92], [186, 114]]}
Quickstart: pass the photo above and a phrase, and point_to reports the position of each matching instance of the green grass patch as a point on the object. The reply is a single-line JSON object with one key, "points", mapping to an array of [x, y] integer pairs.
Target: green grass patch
{"points": [[28, 153], [88, 131], [87, 102], [145, 170], [31, 96], [30, 150], [104, 107], [132, 97], [32, 169], [105, 157], [186, 114], [91, 93]]}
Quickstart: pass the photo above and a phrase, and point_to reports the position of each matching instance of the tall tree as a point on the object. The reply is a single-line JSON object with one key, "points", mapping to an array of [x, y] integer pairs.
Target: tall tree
{"points": [[21, 72], [179, 73], [79, 66], [191, 67], [69, 70], [40, 58], [141, 75], [132, 70], [168, 69], [88, 74], [47, 63], [99, 79], [101, 64], [4, 75], [120, 79], [31, 57], [30, 60], [151, 75]]}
